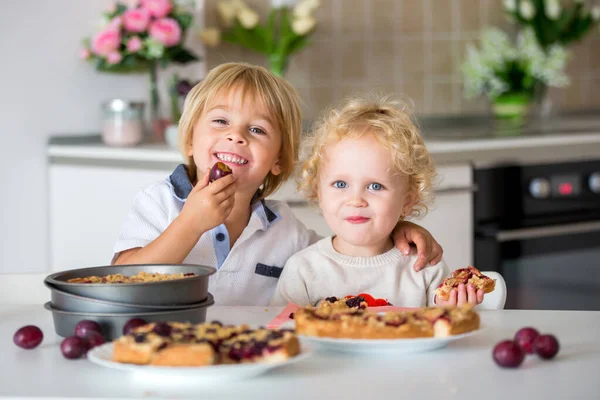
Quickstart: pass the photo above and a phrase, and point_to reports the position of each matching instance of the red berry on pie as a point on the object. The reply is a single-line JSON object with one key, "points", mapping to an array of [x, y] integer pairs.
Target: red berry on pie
{"points": [[368, 298]]}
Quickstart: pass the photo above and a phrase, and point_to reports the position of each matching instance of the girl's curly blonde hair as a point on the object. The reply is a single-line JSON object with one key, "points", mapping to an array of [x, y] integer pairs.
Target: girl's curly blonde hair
{"points": [[391, 123]]}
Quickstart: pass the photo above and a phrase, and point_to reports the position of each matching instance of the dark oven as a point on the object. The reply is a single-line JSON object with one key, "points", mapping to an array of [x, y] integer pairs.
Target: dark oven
{"points": [[539, 226]]}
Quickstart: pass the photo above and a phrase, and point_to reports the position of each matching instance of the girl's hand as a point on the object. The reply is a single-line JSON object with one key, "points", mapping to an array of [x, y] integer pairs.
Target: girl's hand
{"points": [[209, 205], [464, 295], [428, 249]]}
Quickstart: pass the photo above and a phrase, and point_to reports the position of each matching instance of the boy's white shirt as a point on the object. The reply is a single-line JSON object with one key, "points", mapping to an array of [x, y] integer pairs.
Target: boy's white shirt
{"points": [[271, 237], [319, 271]]}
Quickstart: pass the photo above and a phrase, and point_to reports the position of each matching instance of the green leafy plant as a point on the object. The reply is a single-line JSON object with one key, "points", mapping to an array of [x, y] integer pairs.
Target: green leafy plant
{"points": [[511, 73], [286, 31], [552, 21]]}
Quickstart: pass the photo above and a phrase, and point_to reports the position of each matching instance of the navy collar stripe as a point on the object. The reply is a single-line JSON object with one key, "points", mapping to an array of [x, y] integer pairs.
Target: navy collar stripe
{"points": [[271, 216], [181, 182]]}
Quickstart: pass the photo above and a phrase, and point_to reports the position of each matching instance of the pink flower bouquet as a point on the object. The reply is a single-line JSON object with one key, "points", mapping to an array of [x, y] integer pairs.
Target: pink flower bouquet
{"points": [[139, 35]]}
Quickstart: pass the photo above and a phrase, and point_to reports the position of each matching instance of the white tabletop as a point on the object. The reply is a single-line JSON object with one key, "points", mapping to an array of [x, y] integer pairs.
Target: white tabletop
{"points": [[463, 370]]}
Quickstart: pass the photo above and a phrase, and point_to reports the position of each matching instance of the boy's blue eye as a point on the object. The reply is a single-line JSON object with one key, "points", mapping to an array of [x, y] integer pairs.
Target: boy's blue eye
{"points": [[375, 186], [340, 185]]}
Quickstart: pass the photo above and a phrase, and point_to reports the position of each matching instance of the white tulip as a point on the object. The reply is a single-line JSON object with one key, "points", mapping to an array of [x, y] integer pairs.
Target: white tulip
{"points": [[527, 10], [553, 9], [302, 26], [238, 5], [248, 17], [596, 13], [305, 8], [227, 12], [282, 3], [210, 37], [510, 5]]}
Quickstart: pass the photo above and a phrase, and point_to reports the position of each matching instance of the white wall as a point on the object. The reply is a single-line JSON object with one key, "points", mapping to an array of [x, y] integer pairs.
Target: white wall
{"points": [[45, 89]]}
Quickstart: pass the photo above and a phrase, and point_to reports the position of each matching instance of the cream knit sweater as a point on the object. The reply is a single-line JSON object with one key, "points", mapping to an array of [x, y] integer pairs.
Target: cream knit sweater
{"points": [[319, 271]]}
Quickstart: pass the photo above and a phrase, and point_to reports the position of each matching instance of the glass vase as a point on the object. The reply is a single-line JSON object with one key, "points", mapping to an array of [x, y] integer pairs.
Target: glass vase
{"points": [[512, 108], [158, 124], [542, 102]]}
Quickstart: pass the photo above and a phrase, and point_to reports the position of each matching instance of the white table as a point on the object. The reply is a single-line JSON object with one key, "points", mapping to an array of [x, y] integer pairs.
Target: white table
{"points": [[464, 370]]}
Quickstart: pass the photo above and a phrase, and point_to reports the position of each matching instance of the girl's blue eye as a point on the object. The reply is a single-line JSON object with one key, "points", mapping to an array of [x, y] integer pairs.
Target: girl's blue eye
{"points": [[340, 185], [220, 121], [257, 130], [375, 186]]}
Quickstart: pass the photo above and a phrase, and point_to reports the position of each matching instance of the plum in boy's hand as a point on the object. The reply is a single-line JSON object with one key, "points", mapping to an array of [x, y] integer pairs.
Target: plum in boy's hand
{"points": [[218, 171], [209, 204]]}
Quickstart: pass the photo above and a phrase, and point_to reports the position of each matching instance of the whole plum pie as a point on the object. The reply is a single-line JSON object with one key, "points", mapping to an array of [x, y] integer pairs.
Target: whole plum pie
{"points": [[351, 319], [142, 277]]}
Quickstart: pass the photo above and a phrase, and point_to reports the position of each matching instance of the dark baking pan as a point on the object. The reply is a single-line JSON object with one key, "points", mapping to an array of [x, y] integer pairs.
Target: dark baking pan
{"points": [[112, 323], [185, 291]]}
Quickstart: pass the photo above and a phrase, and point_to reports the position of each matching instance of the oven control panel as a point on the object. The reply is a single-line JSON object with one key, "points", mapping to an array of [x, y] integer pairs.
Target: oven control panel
{"points": [[558, 186], [554, 191]]}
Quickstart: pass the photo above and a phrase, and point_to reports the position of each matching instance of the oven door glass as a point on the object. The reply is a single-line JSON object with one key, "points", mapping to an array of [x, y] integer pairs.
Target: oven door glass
{"points": [[554, 268]]}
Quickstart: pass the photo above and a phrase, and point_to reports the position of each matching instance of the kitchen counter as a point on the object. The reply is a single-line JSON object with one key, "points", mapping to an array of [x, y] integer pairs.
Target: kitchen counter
{"points": [[463, 370], [450, 140]]}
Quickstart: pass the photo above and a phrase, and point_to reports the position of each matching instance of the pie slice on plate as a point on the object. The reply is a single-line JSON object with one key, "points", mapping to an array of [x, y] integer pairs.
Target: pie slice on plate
{"points": [[185, 344]]}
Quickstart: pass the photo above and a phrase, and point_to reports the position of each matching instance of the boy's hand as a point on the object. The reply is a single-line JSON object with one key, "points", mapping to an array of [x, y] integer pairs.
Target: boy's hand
{"points": [[207, 205], [464, 295], [428, 249]]}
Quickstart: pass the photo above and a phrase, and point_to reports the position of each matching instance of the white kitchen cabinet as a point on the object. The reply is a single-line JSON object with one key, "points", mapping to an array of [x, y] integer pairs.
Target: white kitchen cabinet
{"points": [[88, 204], [450, 223]]}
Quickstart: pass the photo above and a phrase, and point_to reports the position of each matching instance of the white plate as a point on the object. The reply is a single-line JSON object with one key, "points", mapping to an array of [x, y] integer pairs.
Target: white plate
{"points": [[102, 355], [381, 345]]}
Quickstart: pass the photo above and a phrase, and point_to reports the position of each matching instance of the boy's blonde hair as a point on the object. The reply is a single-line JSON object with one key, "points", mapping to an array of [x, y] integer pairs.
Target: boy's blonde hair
{"points": [[278, 96], [390, 122]]}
